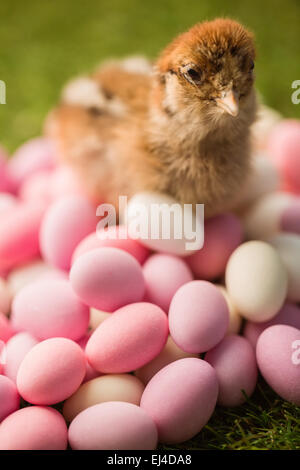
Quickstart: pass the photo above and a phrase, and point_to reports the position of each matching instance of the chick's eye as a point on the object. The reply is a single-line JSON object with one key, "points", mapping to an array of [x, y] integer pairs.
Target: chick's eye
{"points": [[251, 67], [193, 74]]}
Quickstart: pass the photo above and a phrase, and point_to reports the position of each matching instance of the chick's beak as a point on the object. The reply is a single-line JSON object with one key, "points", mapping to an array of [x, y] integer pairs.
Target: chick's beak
{"points": [[229, 102]]}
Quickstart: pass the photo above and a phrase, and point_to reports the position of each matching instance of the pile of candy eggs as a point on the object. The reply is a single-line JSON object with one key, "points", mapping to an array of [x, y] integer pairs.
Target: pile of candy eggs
{"points": [[108, 342]]}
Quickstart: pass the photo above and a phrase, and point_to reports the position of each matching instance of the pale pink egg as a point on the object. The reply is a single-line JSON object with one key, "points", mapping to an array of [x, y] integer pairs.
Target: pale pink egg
{"points": [[51, 371], [107, 279], [7, 203], [49, 308], [284, 148], [116, 237], [234, 361], [6, 328], [66, 223], [36, 187], [35, 155], [198, 316], [289, 314], [19, 234], [64, 182], [113, 426], [278, 359], [127, 340], [164, 274], [9, 398], [223, 234], [181, 398], [16, 349], [33, 271], [45, 430]]}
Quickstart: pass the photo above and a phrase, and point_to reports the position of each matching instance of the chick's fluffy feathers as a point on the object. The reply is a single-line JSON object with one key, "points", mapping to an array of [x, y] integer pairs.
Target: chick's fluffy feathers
{"points": [[128, 129]]}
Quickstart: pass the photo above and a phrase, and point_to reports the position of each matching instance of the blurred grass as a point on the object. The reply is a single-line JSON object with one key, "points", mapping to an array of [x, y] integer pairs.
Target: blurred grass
{"points": [[43, 43]]}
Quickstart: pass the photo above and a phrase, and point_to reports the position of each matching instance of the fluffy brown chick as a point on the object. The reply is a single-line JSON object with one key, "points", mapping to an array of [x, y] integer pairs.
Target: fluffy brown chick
{"points": [[182, 128]]}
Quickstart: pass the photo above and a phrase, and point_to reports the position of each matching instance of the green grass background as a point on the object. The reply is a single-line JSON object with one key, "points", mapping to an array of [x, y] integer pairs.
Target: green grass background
{"points": [[45, 42]]}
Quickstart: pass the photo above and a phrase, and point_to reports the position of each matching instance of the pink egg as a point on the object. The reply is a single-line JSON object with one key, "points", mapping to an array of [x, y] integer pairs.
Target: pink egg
{"points": [[33, 156], [116, 237], [127, 340], [19, 234], [107, 279], [16, 349], [36, 187], [50, 308], [234, 361], [9, 398], [278, 359], [284, 148], [91, 373], [289, 314], [198, 316], [66, 223], [113, 426], [164, 274], [6, 328], [45, 430], [223, 234], [181, 398], [51, 371]]}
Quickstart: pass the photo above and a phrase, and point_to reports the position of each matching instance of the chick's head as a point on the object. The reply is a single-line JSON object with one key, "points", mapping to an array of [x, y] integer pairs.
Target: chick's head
{"points": [[210, 67]]}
